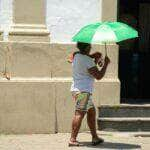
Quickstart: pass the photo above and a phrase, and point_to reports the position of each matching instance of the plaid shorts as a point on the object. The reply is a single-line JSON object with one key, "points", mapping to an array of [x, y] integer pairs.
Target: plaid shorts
{"points": [[83, 101]]}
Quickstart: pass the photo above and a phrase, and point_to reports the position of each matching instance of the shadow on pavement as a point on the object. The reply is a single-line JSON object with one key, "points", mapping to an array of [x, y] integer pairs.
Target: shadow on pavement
{"points": [[110, 145]]}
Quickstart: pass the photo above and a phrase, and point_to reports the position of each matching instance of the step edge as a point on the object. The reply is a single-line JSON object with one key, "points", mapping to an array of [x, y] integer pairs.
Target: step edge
{"points": [[124, 106], [119, 119]]}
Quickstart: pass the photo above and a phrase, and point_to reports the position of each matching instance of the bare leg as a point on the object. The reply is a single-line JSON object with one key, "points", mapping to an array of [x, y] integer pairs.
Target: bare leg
{"points": [[91, 120], [76, 123]]}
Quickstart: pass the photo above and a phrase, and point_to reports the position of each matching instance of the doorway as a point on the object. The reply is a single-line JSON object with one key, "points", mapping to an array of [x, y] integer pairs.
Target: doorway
{"points": [[134, 55]]}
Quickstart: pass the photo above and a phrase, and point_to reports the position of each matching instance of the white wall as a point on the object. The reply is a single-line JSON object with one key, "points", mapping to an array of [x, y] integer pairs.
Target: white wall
{"points": [[63, 17], [66, 17], [5, 16]]}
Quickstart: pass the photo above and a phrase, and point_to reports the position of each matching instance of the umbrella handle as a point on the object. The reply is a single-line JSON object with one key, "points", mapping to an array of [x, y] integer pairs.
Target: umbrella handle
{"points": [[106, 50]]}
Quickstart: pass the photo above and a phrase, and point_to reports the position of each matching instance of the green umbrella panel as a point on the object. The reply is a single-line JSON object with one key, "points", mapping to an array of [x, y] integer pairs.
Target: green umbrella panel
{"points": [[106, 32]]}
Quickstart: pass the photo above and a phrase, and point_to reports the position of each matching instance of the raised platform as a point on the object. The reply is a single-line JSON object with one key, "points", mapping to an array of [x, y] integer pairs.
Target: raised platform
{"points": [[37, 98]]}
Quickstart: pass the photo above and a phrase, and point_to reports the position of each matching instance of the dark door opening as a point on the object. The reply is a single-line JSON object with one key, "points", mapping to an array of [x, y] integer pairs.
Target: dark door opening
{"points": [[134, 55]]}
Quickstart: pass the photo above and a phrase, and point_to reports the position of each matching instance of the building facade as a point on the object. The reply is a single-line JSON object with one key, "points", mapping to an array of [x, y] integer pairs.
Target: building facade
{"points": [[35, 76]]}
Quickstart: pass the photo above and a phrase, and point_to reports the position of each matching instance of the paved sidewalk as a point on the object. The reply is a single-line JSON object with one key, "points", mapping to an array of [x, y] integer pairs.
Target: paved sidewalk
{"points": [[113, 141]]}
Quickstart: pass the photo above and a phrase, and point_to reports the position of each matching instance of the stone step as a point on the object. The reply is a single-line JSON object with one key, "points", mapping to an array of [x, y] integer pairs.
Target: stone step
{"points": [[124, 110], [124, 124]]}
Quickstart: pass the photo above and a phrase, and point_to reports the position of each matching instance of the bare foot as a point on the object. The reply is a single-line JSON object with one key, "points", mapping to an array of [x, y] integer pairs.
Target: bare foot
{"points": [[96, 141], [73, 143]]}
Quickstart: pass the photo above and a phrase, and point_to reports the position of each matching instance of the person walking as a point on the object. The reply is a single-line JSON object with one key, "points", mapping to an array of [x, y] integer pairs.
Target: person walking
{"points": [[85, 70]]}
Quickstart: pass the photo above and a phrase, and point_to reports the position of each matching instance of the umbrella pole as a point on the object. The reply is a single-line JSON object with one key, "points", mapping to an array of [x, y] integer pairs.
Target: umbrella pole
{"points": [[105, 49]]}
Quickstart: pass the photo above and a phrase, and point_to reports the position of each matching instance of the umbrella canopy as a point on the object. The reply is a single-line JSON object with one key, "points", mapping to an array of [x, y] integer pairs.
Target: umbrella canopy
{"points": [[105, 32]]}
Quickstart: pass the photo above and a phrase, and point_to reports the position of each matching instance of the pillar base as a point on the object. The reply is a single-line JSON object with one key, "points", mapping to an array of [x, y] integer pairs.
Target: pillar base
{"points": [[107, 91], [29, 33]]}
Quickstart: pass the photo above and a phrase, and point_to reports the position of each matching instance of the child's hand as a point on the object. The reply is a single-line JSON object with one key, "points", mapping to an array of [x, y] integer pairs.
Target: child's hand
{"points": [[70, 58]]}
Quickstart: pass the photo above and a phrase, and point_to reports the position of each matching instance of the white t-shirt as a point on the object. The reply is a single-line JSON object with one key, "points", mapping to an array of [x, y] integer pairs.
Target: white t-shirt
{"points": [[82, 80]]}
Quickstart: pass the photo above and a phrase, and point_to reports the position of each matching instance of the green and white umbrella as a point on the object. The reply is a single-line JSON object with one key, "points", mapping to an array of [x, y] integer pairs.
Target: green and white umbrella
{"points": [[106, 32]]}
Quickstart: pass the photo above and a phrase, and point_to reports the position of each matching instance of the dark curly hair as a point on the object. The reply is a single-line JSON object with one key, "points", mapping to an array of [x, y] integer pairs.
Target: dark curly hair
{"points": [[83, 47]]}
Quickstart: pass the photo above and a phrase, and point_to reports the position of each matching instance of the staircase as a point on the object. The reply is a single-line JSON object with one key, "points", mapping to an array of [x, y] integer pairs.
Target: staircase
{"points": [[124, 117]]}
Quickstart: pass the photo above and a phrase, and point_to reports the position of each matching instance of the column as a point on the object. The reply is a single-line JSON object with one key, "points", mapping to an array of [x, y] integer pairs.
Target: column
{"points": [[29, 21], [109, 86], [109, 10]]}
